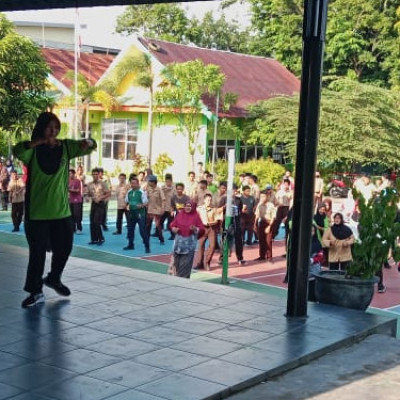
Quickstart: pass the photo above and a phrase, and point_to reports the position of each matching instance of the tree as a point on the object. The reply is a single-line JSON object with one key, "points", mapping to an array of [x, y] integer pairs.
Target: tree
{"points": [[161, 21], [23, 74], [359, 123], [170, 22], [361, 37], [185, 85]]}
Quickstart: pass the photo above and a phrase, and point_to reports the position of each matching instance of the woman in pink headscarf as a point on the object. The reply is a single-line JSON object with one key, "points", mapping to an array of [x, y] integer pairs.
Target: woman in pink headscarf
{"points": [[187, 227]]}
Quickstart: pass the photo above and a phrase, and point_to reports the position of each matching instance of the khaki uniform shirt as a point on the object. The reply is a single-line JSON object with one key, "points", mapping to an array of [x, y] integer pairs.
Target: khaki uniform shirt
{"points": [[337, 252], [16, 190], [156, 199], [169, 191], [120, 192], [98, 191], [266, 211]]}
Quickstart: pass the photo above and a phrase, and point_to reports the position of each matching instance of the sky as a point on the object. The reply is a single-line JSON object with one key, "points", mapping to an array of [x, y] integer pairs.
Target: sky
{"points": [[101, 21]]}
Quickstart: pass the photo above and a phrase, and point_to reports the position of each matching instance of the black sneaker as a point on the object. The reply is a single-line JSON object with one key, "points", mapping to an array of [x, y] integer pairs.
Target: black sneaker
{"points": [[242, 262], [105, 228], [147, 251], [61, 289], [381, 288], [116, 233], [33, 299], [129, 247]]}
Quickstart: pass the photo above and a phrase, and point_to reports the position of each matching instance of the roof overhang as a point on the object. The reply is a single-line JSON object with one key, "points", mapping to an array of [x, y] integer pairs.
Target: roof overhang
{"points": [[22, 5]]}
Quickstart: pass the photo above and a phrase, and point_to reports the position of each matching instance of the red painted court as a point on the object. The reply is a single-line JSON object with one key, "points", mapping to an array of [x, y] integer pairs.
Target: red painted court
{"points": [[272, 274]]}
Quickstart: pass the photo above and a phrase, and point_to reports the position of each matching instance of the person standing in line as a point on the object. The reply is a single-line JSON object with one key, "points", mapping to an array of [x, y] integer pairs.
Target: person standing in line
{"points": [[120, 192], [191, 186], [210, 217], [200, 193], [168, 215], [283, 197], [16, 190], [136, 200], [104, 178], [247, 215], [155, 207], [75, 200], [4, 180], [82, 178], [318, 190], [265, 216], [98, 192], [179, 199], [338, 239], [187, 227], [47, 213]]}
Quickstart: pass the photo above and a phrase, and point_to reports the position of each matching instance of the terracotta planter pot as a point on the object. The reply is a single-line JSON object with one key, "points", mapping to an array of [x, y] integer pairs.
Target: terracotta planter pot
{"points": [[332, 287]]}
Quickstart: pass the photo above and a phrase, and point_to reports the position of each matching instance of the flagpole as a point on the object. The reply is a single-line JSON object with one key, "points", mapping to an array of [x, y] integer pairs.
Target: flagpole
{"points": [[76, 56]]}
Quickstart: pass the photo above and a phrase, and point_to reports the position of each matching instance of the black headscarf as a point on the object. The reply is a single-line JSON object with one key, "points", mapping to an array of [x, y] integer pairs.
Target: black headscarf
{"points": [[341, 231], [319, 218]]}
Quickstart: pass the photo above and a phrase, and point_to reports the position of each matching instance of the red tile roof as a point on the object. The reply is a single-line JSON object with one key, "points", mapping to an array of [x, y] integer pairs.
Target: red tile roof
{"points": [[91, 65], [251, 78]]}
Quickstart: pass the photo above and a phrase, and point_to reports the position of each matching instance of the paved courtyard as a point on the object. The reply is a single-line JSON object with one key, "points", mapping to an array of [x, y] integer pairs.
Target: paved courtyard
{"points": [[127, 333]]}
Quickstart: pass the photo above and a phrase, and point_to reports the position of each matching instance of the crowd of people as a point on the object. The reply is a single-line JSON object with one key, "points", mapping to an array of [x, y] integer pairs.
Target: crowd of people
{"points": [[193, 212]]}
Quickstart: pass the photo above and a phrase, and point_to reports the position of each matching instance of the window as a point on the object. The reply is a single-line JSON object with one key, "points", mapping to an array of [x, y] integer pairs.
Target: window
{"points": [[247, 152], [119, 138]]}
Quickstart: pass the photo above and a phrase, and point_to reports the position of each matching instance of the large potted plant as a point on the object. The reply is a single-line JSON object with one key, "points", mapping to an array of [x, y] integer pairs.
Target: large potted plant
{"points": [[378, 233]]}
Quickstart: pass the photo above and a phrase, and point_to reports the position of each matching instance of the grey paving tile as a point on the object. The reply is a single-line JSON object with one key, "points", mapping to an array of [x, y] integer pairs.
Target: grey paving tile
{"points": [[272, 324], [225, 373], [124, 347], [30, 396], [195, 325], [42, 325], [79, 315], [81, 336], [255, 358], [226, 316], [34, 375], [140, 285], [147, 299], [170, 359], [161, 336], [241, 335], [254, 308], [111, 292], [10, 335], [82, 388], [129, 374], [38, 347], [122, 326], [116, 307], [7, 391], [183, 307], [182, 387], [80, 360], [110, 280], [133, 394], [155, 315], [8, 360], [83, 298], [207, 346]]}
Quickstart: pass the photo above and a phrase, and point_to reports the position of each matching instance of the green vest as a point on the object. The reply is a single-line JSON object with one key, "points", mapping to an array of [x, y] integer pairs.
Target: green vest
{"points": [[135, 199]]}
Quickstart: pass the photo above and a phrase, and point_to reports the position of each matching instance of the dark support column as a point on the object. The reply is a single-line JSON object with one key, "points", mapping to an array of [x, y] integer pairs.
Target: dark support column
{"points": [[314, 26]]}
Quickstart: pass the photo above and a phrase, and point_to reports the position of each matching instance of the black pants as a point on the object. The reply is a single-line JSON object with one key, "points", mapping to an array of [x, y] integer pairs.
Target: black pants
{"points": [[4, 200], [17, 212], [166, 217], [97, 211], [140, 219], [76, 211], [341, 265], [120, 215], [104, 221], [59, 233]]}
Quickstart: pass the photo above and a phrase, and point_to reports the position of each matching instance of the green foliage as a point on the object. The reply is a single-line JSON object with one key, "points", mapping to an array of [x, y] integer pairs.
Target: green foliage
{"points": [[359, 123], [378, 233], [140, 163], [170, 22], [186, 84], [161, 21], [266, 170], [163, 161], [23, 74], [362, 41]]}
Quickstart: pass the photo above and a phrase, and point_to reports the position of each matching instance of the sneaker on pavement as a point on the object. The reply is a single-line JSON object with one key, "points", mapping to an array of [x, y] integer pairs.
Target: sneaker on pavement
{"points": [[61, 289], [129, 247], [381, 288], [242, 262], [33, 299], [147, 251]]}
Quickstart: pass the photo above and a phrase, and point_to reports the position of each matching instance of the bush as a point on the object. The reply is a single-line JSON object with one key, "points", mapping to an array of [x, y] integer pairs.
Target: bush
{"points": [[266, 171]]}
